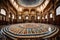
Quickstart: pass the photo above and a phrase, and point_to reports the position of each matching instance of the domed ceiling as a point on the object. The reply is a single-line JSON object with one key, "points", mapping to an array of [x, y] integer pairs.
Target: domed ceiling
{"points": [[29, 3], [20, 5]]}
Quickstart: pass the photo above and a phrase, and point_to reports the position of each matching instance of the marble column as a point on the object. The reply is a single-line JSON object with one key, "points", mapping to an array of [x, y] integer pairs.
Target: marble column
{"points": [[48, 17]]}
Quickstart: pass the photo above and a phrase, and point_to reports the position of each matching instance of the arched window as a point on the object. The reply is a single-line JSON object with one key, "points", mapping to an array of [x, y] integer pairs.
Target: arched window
{"points": [[9, 16], [42, 17], [51, 16], [19, 17], [12, 16], [58, 11], [3, 12], [46, 17], [27, 17], [38, 17]]}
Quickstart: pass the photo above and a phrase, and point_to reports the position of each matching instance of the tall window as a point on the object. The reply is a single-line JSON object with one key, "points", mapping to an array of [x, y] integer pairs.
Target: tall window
{"points": [[27, 17], [12, 16], [51, 16], [46, 17], [38, 17], [9, 16], [58, 11], [3, 12], [42, 17], [19, 17]]}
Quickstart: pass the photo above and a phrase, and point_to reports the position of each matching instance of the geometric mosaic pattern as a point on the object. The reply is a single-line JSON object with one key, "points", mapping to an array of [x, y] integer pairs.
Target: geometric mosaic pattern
{"points": [[29, 30]]}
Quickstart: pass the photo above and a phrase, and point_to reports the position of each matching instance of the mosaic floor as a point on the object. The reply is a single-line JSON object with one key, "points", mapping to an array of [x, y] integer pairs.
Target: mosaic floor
{"points": [[30, 30]]}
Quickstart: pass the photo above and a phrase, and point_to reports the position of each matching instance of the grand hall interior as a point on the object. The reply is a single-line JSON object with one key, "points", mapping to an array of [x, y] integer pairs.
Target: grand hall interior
{"points": [[29, 19]]}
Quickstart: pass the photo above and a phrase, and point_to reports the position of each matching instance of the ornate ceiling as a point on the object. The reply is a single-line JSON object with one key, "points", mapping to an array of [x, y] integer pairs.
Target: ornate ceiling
{"points": [[29, 3], [38, 5]]}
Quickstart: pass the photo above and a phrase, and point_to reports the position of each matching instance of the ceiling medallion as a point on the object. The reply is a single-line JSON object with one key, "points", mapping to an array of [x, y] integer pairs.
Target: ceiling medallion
{"points": [[30, 3]]}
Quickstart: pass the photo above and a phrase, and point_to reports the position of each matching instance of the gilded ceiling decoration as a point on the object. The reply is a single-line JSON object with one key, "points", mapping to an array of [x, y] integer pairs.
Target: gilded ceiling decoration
{"points": [[39, 5]]}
